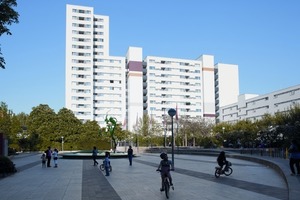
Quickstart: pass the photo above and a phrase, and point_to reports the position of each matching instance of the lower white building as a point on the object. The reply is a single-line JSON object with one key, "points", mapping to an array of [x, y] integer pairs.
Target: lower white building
{"points": [[253, 107]]}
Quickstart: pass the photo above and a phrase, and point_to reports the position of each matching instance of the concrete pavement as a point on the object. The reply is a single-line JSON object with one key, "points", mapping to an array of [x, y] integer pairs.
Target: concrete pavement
{"points": [[193, 179]]}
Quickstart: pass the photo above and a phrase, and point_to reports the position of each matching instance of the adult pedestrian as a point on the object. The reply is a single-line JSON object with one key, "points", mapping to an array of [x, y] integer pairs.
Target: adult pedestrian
{"points": [[130, 155], [294, 151], [48, 156], [94, 154]]}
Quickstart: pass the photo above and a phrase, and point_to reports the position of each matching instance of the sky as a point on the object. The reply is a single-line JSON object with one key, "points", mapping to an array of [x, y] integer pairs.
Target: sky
{"points": [[262, 37]]}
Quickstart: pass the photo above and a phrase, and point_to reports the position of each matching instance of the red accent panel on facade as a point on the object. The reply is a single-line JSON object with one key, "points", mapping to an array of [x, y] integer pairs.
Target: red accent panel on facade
{"points": [[135, 66], [209, 115]]}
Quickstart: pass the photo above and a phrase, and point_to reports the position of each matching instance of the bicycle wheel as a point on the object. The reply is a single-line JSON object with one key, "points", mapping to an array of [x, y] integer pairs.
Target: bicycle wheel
{"points": [[228, 172], [217, 173], [167, 188], [101, 167]]}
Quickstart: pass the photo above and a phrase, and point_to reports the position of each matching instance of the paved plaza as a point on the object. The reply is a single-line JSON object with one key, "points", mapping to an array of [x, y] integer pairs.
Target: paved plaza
{"points": [[193, 178]]}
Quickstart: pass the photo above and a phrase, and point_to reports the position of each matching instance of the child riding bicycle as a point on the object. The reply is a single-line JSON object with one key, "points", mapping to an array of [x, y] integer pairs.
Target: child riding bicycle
{"points": [[165, 167]]}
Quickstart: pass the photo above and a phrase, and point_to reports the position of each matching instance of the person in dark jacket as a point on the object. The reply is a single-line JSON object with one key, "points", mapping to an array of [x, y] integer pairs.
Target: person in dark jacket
{"points": [[294, 153], [222, 160], [48, 153], [165, 166], [130, 155], [94, 155]]}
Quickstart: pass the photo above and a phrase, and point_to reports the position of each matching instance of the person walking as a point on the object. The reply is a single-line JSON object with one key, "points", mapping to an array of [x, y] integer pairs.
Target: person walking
{"points": [[294, 151], [55, 157], [130, 155], [94, 154], [48, 156]]}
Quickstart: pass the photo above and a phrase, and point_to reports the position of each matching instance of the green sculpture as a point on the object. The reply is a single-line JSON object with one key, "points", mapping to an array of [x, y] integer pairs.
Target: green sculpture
{"points": [[111, 124]]}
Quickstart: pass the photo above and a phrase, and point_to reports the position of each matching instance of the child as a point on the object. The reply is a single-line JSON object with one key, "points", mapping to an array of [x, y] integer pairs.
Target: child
{"points": [[164, 168], [43, 157], [106, 163], [222, 160], [55, 157]]}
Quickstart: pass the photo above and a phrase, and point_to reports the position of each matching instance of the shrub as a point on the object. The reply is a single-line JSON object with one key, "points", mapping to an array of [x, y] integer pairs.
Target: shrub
{"points": [[6, 165]]}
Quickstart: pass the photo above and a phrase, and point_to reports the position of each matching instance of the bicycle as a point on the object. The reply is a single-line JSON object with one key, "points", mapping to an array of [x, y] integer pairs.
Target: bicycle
{"points": [[226, 172], [102, 167], [166, 185]]}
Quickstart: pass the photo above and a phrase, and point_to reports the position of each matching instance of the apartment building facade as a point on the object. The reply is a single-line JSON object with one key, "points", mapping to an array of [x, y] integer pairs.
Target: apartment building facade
{"points": [[253, 107], [95, 81], [98, 84]]}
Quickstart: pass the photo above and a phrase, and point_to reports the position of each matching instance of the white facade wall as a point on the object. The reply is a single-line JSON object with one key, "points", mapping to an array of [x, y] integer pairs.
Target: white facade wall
{"points": [[254, 108], [227, 85], [208, 87]]}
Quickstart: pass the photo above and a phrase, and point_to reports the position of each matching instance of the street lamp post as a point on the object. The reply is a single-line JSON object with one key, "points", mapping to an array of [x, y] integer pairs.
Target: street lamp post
{"points": [[62, 143], [172, 113]]}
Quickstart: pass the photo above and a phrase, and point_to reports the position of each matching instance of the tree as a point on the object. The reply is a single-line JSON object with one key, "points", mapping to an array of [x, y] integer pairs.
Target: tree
{"points": [[195, 128], [89, 135], [7, 16], [18, 130], [67, 126], [148, 128], [5, 119], [41, 121]]}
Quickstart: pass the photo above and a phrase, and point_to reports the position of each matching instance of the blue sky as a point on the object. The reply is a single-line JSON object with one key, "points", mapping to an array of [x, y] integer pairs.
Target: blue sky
{"points": [[261, 36]]}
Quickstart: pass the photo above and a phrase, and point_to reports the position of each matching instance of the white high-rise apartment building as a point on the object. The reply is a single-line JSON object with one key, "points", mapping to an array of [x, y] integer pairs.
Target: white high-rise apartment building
{"points": [[98, 84], [95, 81], [178, 83]]}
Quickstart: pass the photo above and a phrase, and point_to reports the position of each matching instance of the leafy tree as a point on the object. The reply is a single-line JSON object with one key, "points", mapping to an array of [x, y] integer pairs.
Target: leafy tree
{"points": [[18, 129], [8, 16], [5, 119], [89, 135], [67, 126], [120, 134], [41, 121]]}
